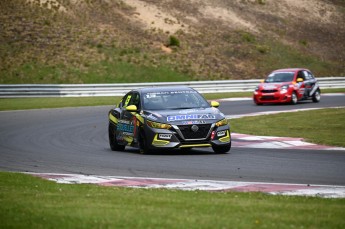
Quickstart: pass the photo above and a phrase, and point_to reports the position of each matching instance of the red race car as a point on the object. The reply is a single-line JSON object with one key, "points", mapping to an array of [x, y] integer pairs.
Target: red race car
{"points": [[287, 86]]}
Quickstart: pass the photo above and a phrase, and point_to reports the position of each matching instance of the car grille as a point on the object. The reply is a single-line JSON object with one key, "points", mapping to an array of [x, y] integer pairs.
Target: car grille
{"points": [[188, 133], [269, 91], [268, 98]]}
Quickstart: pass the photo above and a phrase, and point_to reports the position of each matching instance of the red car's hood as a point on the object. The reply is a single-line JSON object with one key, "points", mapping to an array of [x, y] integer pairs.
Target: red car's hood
{"points": [[272, 86]]}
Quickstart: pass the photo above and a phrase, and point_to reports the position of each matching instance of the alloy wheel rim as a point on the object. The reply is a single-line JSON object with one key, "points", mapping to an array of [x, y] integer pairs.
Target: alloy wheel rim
{"points": [[294, 98], [317, 96]]}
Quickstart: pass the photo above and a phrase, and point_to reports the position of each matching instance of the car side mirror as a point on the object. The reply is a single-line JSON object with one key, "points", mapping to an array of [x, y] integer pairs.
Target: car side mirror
{"points": [[214, 104], [132, 108], [299, 80]]}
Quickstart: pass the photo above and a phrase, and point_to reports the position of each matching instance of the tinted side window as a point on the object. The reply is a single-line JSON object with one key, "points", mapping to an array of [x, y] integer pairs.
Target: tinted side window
{"points": [[306, 75], [301, 75], [135, 100], [125, 100], [310, 75]]}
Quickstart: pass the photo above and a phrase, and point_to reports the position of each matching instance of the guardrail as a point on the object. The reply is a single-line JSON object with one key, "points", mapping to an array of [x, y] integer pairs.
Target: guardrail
{"points": [[119, 89]]}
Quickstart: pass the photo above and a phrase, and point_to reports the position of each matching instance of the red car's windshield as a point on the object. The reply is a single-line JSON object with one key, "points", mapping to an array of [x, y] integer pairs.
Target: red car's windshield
{"points": [[278, 77]]}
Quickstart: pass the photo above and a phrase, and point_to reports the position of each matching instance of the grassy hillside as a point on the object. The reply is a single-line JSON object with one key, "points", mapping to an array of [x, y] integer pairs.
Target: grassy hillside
{"points": [[94, 41]]}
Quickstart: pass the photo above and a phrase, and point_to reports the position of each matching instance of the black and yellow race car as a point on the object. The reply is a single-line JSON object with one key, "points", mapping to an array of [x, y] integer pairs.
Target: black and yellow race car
{"points": [[159, 118]]}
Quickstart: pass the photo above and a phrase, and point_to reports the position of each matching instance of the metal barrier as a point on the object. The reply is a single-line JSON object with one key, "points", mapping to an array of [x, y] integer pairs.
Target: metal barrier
{"points": [[119, 89]]}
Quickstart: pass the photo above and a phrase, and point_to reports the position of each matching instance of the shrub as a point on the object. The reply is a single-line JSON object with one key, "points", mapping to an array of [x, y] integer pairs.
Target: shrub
{"points": [[303, 42], [174, 41], [248, 37], [263, 48]]}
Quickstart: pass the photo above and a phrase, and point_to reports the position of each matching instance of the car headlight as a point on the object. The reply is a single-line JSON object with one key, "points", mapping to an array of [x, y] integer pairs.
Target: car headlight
{"points": [[158, 125], [222, 122], [284, 88], [256, 88]]}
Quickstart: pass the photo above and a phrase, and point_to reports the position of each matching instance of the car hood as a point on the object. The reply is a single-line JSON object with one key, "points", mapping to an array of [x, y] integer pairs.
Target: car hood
{"points": [[185, 116], [272, 86]]}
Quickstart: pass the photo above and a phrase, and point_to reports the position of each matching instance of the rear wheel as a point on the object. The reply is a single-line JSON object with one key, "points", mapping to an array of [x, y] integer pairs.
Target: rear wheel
{"points": [[317, 96], [294, 98], [114, 146], [221, 149]]}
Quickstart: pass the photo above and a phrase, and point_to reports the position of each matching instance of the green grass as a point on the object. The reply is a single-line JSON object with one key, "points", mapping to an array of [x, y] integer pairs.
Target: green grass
{"points": [[102, 72], [325, 126], [38, 103], [277, 55], [30, 202], [211, 96], [122, 72]]}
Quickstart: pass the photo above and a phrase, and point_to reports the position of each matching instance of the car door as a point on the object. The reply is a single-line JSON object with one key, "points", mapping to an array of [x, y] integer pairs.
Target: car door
{"points": [[301, 85], [309, 83], [127, 125], [312, 83]]}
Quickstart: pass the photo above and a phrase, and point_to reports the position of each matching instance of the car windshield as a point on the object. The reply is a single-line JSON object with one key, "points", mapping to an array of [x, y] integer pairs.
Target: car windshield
{"points": [[278, 77], [172, 100]]}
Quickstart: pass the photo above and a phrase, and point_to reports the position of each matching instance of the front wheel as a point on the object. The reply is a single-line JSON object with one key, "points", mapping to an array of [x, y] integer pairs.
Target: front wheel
{"points": [[186, 150], [221, 149], [257, 102], [317, 96], [143, 145], [114, 145], [294, 98]]}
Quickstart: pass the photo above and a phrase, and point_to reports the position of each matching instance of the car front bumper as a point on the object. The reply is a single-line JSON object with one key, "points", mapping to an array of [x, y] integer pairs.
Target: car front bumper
{"points": [[276, 97], [175, 138]]}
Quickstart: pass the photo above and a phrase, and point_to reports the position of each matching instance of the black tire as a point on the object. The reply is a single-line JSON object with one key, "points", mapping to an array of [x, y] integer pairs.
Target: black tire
{"points": [[114, 146], [317, 96], [294, 98], [256, 102], [143, 146], [221, 149], [186, 150]]}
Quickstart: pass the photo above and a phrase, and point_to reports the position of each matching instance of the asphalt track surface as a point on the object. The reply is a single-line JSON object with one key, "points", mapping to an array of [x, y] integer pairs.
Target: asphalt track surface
{"points": [[75, 140]]}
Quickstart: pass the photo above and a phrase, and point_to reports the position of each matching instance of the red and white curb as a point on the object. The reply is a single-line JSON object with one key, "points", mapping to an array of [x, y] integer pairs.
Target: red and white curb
{"points": [[278, 112], [325, 191], [270, 142]]}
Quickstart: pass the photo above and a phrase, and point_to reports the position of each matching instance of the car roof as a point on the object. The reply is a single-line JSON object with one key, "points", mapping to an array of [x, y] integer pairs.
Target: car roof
{"points": [[290, 70], [165, 88]]}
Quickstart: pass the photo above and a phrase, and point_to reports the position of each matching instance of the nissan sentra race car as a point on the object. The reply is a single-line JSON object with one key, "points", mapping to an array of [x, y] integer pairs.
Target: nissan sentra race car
{"points": [[287, 86], [160, 118]]}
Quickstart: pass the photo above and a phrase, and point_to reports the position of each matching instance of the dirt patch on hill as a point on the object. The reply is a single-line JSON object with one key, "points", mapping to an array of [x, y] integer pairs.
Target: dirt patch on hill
{"points": [[154, 18], [320, 11]]}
